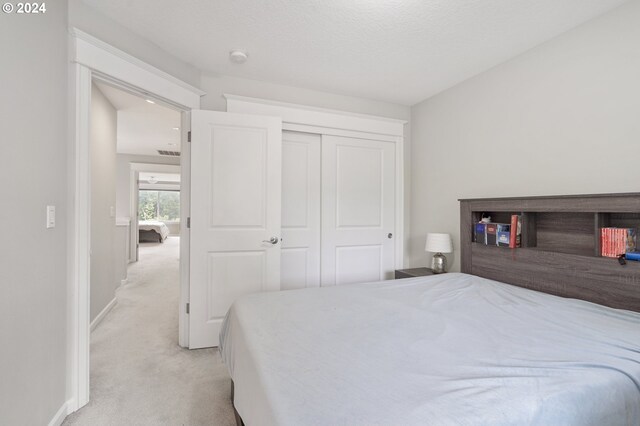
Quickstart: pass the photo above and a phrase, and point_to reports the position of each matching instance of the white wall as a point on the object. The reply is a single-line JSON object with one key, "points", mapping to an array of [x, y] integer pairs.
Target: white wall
{"points": [[33, 301], [103, 140], [98, 25], [562, 118]]}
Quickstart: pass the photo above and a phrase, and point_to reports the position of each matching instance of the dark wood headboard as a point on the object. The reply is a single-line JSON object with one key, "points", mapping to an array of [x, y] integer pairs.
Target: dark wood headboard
{"points": [[560, 246]]}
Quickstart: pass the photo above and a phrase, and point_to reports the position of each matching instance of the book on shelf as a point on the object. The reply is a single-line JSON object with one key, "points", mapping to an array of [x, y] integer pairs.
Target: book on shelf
{"points": [[492, 234], [615, 242], [499, 234], [516, 231], [503, 233], [480, 233]]}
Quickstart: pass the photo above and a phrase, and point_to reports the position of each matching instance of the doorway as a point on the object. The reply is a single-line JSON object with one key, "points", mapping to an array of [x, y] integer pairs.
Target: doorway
{"points": [[135, 221], [93, 60]]}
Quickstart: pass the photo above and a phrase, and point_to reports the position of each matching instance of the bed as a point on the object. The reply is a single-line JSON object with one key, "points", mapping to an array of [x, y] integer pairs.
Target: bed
{"points": [[450, 349], [152, 231], [453, 349]]}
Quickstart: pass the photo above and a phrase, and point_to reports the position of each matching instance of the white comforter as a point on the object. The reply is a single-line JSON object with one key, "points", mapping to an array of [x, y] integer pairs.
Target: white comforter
{"points": [[452, 349], [154, 225]]}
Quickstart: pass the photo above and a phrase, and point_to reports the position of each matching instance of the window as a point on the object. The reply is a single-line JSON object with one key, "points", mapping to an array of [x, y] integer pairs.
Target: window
{"points": [[159, 205]]}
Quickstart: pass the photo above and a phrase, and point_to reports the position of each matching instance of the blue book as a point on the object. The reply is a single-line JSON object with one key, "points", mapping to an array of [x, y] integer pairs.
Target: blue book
{"points": [[504, 234], [633, 255], [480, 233]]}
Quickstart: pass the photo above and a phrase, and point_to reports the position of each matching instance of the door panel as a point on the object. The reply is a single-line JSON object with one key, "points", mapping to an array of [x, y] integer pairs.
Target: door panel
{"points": [[358, 210], [246, 269], [358, 264], [359, 189], [300, 264], [235, 206], [238, 177]]}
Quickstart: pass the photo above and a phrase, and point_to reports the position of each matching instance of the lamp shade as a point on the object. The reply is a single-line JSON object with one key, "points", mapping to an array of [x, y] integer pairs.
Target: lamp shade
{"points": [[438, 243]]}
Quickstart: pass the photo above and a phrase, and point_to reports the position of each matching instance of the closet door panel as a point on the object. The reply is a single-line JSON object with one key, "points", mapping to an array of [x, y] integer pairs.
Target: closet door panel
{"points": [[358, 210], [300, 258]]}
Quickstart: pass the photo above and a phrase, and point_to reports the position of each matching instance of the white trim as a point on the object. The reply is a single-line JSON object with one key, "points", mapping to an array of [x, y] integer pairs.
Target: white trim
{"points": [[118, 65], [185, 235], [133, 212], [329, 131], [61, 414], [319, 117], [104, 312], [155, 167], [91, 58], [323, 121], [79, 238]]}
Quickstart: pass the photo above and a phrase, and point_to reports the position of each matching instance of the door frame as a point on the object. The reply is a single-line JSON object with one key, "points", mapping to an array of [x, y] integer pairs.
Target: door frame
{"points": [[324, 121], [91, 58]]}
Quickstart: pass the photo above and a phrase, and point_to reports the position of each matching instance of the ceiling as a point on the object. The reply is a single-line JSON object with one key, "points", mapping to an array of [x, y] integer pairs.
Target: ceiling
{"points": [[400, 51], [143, 128]]}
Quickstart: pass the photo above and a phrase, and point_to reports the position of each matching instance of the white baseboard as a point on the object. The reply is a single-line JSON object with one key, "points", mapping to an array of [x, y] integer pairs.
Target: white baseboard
{"points": [[103, 313], [60, 415]]}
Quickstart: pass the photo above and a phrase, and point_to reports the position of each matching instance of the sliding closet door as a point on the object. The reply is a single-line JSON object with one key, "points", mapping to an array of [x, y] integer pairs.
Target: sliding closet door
{"points": [[358, 210], [300, 254]]}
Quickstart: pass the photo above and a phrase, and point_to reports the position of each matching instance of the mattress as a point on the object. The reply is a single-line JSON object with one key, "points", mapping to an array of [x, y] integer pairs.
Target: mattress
{"points": [[154, 225], [450, 349]]}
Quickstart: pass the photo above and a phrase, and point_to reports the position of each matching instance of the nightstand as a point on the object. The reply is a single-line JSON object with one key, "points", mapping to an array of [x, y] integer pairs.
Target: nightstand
{"points": [[413, 272]]}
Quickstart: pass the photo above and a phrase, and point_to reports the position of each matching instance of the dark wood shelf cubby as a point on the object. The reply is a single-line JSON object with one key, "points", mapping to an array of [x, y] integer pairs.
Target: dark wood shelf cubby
{"points": [[560, 251]]}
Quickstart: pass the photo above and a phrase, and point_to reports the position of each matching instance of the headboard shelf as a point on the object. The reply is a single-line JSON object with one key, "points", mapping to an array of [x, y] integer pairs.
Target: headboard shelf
{"points": [[560, 251]]}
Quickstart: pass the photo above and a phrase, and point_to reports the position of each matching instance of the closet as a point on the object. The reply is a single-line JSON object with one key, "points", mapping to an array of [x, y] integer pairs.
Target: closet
{"points": [[338, 210]]}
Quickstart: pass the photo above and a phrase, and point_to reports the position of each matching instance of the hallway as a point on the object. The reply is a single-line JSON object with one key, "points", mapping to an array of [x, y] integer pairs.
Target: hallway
{"points": [[139, 374]]}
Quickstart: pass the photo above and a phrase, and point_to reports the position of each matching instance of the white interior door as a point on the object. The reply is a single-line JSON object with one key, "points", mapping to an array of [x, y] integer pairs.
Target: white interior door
{"points": [[358, 210], [236, 166], [300, 264]]}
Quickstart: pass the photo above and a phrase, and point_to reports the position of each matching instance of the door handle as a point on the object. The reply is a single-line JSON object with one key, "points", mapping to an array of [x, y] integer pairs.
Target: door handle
{"points": [[272, 240], [389, 235]]}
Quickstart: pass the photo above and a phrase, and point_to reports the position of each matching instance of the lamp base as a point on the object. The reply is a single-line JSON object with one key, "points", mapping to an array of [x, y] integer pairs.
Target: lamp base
{"points": [[439, 263]]}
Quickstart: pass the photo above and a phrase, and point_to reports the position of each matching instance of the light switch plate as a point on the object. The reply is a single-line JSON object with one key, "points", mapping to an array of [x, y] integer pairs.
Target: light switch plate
{"points": [[51, 217]]}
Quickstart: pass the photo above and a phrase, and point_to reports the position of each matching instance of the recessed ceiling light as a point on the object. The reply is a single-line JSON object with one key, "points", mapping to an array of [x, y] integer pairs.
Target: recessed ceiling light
{"points": [[176, 128], [238, 56], [150, 101]]}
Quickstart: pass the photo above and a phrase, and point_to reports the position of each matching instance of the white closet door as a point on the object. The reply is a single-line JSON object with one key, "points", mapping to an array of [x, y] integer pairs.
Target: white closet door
{"points": [[358, 210], [235, 207], [300, 258]]}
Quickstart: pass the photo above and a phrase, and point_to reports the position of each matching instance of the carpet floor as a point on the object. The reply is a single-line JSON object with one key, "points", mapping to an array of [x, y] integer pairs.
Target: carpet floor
{"points": [[139, 374]]}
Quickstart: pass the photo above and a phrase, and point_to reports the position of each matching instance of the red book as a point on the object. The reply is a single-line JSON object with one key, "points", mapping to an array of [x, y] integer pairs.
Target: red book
{"points": [[514, 231], [622, 241]]}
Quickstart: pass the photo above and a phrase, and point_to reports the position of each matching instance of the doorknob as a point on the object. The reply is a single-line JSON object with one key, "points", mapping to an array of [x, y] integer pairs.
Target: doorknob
{"points": [[272, 240], [389, 235]]}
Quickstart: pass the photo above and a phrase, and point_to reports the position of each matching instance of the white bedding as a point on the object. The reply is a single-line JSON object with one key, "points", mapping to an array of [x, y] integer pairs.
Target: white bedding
{"points": [[452, 349], [154, 225]]}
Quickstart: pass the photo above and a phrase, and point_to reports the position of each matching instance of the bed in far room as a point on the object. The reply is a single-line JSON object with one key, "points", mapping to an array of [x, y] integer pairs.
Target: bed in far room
{"points": [[152, 231], [457, 348]]}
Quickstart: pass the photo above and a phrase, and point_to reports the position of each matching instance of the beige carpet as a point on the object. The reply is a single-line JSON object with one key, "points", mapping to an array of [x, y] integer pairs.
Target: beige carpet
{"points": [[139, 374]]}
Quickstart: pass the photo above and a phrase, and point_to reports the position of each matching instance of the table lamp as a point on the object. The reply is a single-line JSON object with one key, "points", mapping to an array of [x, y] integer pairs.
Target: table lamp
{"points": [[438, 244]]}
